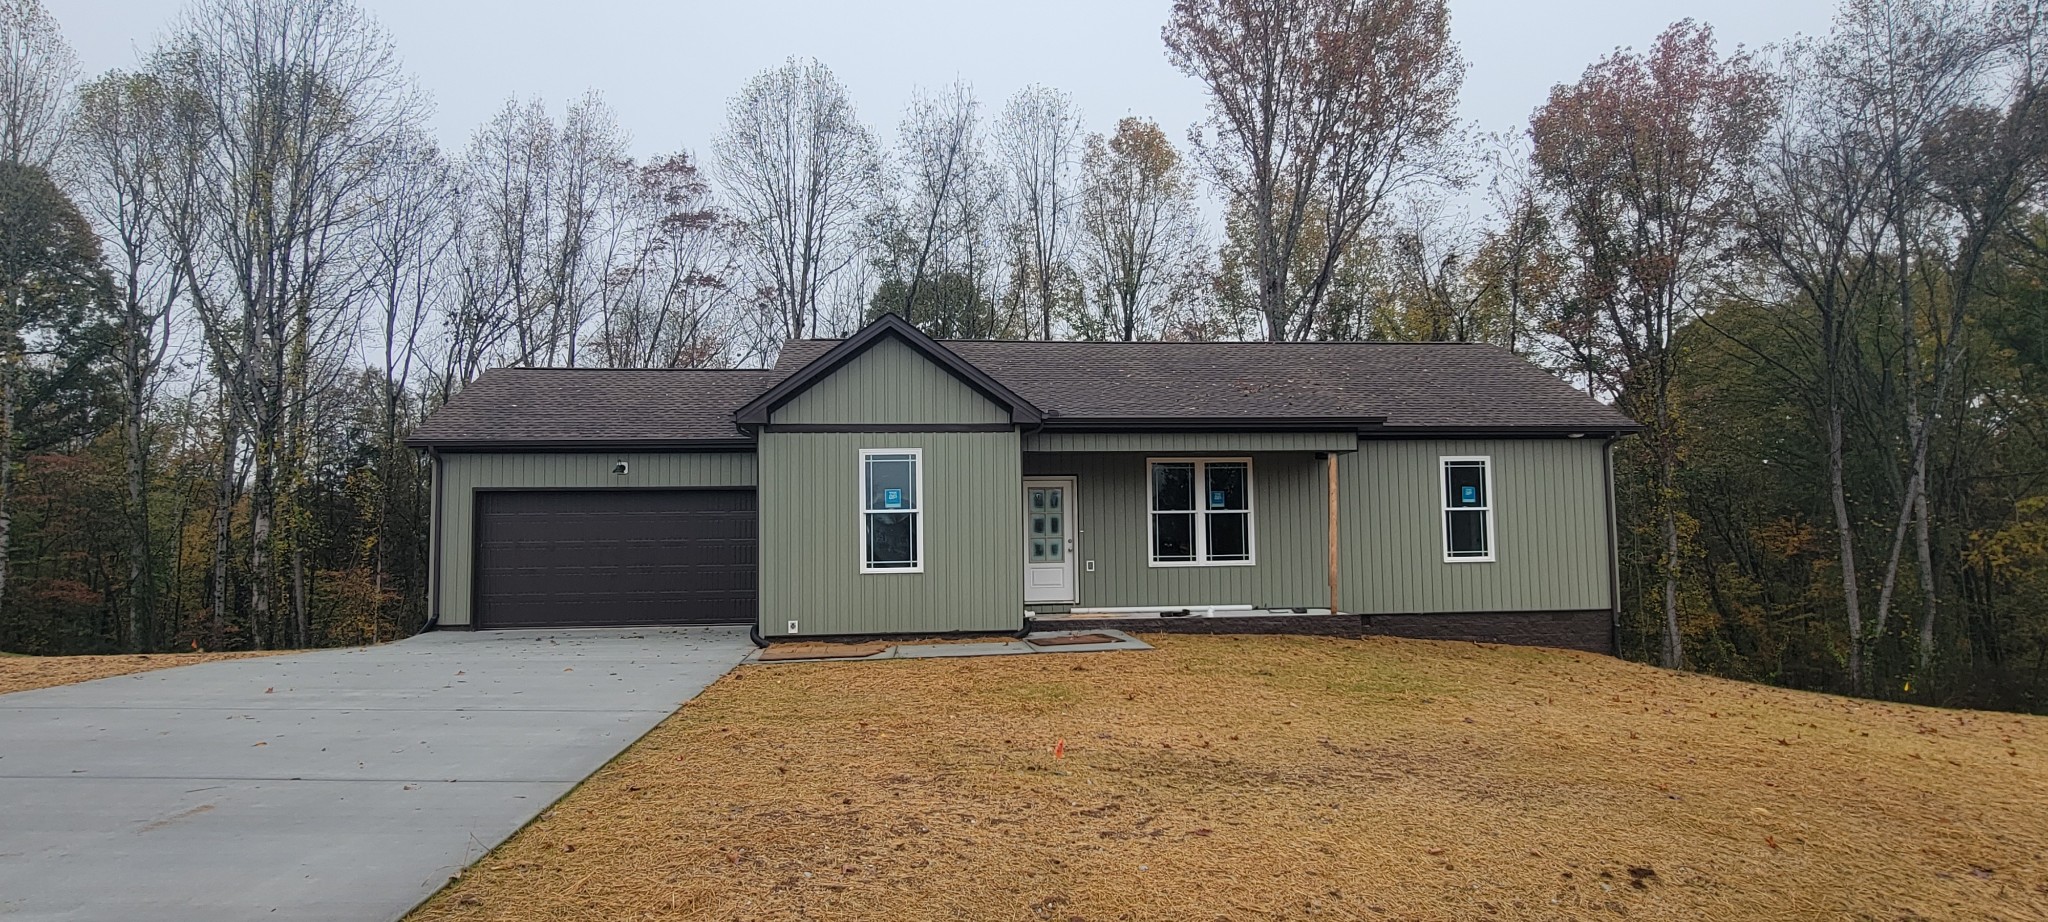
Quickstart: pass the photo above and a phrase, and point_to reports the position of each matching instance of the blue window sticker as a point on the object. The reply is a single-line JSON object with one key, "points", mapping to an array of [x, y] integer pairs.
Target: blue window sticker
{"points": [[1468, 495], [1216, 500], [892, 498]]}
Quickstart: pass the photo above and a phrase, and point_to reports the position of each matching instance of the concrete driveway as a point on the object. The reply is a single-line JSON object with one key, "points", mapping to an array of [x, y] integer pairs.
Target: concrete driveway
{"points": [[338, 785]]}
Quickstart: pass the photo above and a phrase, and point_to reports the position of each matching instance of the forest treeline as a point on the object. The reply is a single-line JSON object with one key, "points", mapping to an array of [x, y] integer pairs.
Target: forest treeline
{"points": [[238, 272]]}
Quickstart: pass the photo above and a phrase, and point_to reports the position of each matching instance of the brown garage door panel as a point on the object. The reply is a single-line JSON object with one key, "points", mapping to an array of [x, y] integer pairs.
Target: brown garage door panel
{"points": [[594, 558]]}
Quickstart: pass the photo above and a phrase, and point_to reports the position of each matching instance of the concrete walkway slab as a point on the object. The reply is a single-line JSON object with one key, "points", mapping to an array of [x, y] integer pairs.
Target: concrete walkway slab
{"points": [[1118, 641], [341, 785]]}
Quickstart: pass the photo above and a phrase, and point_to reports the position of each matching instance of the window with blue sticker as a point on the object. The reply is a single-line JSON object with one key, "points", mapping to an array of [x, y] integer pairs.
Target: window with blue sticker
{"points": [[892, 533], [1201, 511], [1468, 509]]}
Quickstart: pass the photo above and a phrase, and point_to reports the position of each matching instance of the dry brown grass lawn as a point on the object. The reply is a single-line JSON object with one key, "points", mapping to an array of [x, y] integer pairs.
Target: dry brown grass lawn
{"points": [[22, 673], [1286, 778]]}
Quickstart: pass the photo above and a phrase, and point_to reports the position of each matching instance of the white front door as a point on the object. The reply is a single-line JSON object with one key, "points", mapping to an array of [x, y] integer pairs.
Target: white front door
{"points": [[1049, 540]]}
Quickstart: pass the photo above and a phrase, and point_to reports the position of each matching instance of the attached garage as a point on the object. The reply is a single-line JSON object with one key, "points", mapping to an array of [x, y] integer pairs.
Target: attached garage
{"points": [[594, 498], [607, 558]]}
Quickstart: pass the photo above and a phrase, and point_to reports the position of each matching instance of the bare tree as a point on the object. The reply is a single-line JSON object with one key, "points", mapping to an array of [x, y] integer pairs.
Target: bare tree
{"points": [[798, 168], [1140, 232], [121, 157], [1985, 165], [1039, 138], [405, 237], [593, 180], [36, 71], [1643, 156], [939, 148], [1517, 261], [670, 300], [1435, 295], [1320, 109], [1888, 177], [294, 101], [509, 172]]}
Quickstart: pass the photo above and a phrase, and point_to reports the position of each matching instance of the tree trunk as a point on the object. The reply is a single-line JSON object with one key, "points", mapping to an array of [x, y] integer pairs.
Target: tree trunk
{"points": [[262, 514], [7, 368], [1846, 536], [1664, 442], [1928, 594], [302, 616], [223, 531], [1881, 617], [141, 571], [1674, 642]]}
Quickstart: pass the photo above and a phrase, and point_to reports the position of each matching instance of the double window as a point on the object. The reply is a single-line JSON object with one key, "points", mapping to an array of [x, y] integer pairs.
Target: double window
{"points": [[891, 510], [1468, 509], [1201, 511]]}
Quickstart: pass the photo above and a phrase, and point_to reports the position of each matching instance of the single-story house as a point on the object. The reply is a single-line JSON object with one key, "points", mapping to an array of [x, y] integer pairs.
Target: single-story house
{"points": [[888, 483]]}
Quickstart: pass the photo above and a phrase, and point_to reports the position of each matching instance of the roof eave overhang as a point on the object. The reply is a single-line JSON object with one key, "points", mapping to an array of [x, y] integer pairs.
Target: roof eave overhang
{"points": [[757, 411], [1359, 424], [1544, 431], [455, 446]]}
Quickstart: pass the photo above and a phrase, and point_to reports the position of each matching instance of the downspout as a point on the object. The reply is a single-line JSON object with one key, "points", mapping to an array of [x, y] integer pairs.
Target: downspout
{"points": [[1331, 476], [434, 516], [1613, 553]]}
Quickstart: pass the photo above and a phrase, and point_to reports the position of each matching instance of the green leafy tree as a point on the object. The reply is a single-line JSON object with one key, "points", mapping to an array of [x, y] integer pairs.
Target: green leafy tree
{"points": [[52, 288]]}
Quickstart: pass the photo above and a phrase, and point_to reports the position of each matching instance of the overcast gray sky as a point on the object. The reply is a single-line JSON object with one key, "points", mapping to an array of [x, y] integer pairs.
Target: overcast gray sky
{"points": [[668, 67]]}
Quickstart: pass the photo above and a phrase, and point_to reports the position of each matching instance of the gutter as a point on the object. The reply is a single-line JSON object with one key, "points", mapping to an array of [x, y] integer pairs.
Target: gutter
{"points": [[1613, 551], [579, 445], [1212, 424], [1607, 431], [436, 515]]}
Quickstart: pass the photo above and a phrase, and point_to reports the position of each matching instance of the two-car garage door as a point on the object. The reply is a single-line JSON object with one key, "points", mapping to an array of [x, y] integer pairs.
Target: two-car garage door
{"points": [[592, 558]]}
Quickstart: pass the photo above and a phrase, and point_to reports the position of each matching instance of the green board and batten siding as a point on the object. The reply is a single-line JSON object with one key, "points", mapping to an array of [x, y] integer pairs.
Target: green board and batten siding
{"points": [[889, 384], [1112, 512], [464, 474], [1550, 512], [971, 510], [811, 536]]}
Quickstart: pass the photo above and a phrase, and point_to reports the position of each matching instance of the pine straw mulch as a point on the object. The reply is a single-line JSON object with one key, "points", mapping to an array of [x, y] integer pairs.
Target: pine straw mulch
{"points": [[24, 673], [1234, 778]]}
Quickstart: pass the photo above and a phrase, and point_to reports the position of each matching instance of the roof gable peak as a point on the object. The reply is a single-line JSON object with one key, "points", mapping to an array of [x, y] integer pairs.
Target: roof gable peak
{"points": [[888, 326]]}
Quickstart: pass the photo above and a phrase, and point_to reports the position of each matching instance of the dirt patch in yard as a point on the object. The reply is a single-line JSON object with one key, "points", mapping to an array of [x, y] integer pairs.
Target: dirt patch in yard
{"points": [[1286, 778], [23, 673]]}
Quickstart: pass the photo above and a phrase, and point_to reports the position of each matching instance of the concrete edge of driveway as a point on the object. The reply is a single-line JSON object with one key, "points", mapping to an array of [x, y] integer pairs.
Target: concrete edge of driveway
{"points": [[348, 784]]}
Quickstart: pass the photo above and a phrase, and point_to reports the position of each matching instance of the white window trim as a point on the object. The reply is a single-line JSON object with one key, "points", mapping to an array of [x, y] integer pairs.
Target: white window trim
{"points": [[1251, 515], [861, 509], [1444, 507]]}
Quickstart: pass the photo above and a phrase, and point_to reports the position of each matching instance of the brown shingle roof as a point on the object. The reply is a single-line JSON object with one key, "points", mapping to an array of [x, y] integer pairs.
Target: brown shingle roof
{"points": [[1419, 386], [1413, 385], [562, 405]]}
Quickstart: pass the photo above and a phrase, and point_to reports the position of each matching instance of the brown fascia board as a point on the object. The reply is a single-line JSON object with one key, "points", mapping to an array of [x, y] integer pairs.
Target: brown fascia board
{"points": [[1546, 431], [1212, 423], [544, 446], [755, 413]]}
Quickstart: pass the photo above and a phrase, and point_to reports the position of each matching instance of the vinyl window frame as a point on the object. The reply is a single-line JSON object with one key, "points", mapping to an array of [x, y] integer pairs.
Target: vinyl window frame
{"points": [[917, 509], [1201, 514], [1444, 507]]}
